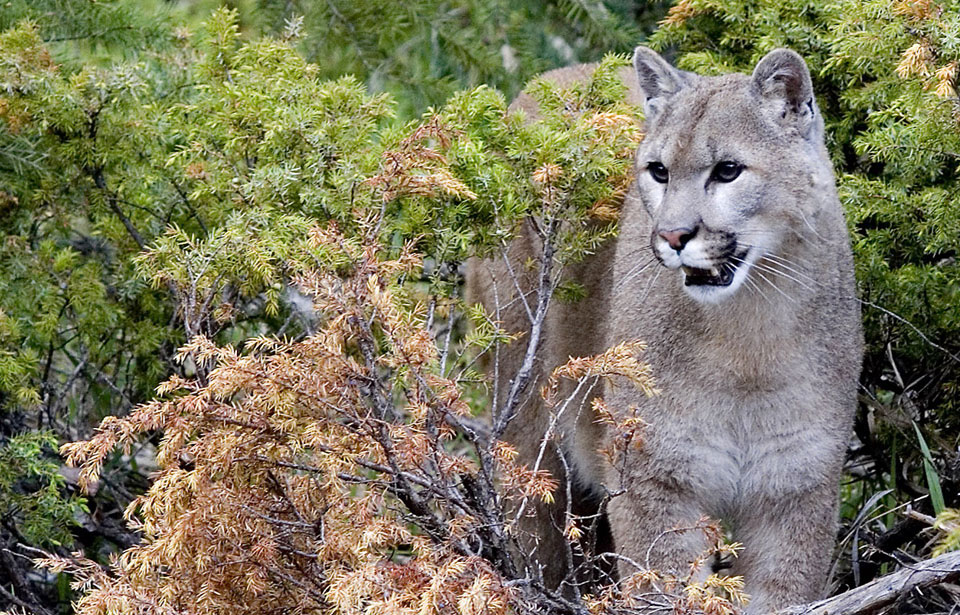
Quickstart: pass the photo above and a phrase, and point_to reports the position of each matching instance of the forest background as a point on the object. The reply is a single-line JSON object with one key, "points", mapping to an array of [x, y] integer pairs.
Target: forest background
{"points": [[170, 170]]}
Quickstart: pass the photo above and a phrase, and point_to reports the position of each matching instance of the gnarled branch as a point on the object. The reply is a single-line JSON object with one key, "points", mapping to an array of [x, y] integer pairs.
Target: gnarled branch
{"points": [[882, 592]]}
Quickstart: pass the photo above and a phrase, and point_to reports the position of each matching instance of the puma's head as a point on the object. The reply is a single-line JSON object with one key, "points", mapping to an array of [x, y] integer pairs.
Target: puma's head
{"points": [[730, 167]]}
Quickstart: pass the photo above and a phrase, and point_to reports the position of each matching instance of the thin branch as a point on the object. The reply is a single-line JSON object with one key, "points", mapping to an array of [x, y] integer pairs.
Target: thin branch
{"points": [[111, 198], [522, 296], [30, 608], [912, 326], [544, 294], [186, 201]]}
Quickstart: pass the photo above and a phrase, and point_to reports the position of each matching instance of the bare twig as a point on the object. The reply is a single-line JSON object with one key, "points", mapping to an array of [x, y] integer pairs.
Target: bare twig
{"points": [[916, 329], [101, 183], [544, 294]]}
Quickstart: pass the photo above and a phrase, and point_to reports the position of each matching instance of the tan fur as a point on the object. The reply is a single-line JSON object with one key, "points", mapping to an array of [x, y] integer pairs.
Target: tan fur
{"points": [[758, 378]]}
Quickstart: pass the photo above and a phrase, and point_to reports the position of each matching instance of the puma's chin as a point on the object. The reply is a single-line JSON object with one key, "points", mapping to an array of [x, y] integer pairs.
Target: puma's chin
{"points": [[720, 282]]}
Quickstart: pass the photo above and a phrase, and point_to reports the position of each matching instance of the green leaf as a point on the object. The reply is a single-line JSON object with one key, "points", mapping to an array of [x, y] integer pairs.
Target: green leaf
{"points": [[933, 479]]}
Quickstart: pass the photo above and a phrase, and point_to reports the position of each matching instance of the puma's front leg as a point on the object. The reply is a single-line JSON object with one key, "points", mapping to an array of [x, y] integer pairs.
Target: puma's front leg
{"points": [[655, 525], [787, 542]]}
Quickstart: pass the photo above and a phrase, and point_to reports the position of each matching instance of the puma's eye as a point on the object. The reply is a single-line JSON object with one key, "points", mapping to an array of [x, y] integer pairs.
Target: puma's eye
{"points": [[726, 171], [658, 172]]}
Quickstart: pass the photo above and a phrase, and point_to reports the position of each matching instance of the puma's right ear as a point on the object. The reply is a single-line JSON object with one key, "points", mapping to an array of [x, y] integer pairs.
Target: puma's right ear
{"points": [[783, 82], [658, 80]]}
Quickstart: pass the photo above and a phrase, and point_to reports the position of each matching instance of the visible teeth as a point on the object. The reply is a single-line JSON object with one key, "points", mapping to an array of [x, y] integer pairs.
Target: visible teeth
{"points": [[714, 271]]}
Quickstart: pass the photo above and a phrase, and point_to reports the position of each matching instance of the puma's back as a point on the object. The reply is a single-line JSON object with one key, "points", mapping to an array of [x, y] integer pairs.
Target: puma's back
{"points": [[733, 263]]}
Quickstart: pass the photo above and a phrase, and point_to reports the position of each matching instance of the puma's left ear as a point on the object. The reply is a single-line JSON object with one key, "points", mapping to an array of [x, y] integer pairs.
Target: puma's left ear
{"points": [[783, 81], [658, 80]]}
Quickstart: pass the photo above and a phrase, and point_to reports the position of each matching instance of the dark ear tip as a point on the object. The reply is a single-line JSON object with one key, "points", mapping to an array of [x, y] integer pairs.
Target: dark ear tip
{"points": [[644, 54], [782, 58]]}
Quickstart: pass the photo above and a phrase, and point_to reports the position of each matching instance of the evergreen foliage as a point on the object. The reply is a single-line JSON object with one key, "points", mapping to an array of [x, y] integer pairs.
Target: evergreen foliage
{"points": [[31, 490], [424, 50], [104, 29], [170, 193]]}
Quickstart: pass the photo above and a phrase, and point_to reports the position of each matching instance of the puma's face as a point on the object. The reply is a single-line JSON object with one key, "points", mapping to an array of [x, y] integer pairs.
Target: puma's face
{"points": [[721, 170], [708, 192]]}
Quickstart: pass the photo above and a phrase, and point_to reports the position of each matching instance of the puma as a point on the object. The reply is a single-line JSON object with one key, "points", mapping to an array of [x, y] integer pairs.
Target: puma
{"points": [[733, 263]]}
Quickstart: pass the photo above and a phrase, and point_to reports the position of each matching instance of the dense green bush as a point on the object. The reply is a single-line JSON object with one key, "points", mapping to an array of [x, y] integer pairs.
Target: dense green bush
{"points": [[158, 178]]}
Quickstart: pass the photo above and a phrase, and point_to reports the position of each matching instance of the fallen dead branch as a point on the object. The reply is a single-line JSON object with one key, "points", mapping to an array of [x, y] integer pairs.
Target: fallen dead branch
{"points": [[884, 591]]}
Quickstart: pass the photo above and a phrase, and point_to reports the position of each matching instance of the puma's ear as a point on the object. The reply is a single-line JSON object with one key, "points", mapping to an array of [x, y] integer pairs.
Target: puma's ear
{"points": [[783, 82], [658, 80]]}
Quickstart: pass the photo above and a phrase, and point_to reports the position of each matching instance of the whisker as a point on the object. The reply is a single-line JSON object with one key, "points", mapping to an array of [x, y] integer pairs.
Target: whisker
{"points": [[650, 284], [781, 259], [634, 272], [775, 287], [772, 256], [753, 286], [637, 249], [781, 262], [810, 226], [802, 278], [771, 270]]}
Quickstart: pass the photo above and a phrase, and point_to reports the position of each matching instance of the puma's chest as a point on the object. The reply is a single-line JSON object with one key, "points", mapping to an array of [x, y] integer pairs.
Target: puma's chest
{"points": [[731, 443]]}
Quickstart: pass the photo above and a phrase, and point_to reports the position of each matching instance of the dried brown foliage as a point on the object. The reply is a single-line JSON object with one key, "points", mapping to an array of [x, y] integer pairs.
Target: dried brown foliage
{"points": [[315, 475], [681, 12], [326, 475], [340, 473], [416, 168], [651, 591]]}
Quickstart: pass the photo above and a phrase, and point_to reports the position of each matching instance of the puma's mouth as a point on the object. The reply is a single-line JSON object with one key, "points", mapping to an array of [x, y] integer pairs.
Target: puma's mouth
{"points": [[716, 276], [721, 275]]}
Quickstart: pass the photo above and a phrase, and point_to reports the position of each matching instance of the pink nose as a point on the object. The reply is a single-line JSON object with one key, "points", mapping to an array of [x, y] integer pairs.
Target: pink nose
{"points": [[677, 238]]}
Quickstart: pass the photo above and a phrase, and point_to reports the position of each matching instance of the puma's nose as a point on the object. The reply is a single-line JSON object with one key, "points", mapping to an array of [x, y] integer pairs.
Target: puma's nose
{"points": [[677, 238]]}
